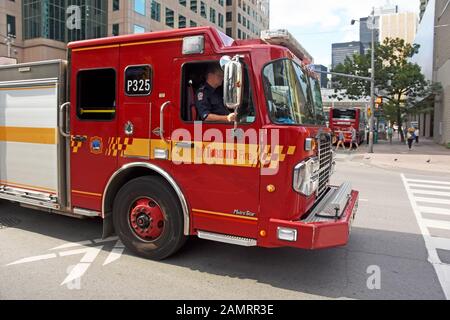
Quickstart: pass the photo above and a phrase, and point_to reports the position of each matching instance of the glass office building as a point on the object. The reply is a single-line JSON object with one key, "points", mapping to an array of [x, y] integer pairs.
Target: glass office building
{"points": [[64, 20]]}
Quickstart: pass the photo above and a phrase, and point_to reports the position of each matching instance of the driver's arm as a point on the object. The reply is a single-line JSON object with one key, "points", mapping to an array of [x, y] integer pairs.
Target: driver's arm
{"points": [[216, 118]]}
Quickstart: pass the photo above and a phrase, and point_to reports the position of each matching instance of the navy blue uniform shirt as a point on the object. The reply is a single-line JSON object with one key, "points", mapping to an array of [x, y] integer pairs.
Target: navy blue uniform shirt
{"points": [[210, 101]]}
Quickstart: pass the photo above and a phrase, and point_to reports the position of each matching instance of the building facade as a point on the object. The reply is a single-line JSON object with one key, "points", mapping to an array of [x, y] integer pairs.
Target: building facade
{"points": [[340, 51], [323, 76], [32, 30], [434, 58], [342, 103], [400, 25], [441, 68], [423, 7], [247, 18]]}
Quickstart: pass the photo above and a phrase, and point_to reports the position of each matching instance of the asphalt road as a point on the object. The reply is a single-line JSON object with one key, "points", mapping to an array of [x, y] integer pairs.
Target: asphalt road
{"points": [[387, 257]]}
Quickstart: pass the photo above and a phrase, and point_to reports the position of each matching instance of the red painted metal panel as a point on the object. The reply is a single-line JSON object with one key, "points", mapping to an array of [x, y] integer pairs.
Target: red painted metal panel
{"points": [[91, 169]]}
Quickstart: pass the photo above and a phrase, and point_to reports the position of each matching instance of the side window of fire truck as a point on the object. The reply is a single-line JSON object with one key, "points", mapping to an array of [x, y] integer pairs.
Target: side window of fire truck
{"points": [[305, 86], [194, 77], [246, 113], [138, 80], [96, 94]]}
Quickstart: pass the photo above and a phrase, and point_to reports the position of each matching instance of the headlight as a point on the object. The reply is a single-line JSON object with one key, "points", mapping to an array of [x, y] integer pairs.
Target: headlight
{"points": [[306, 177]]}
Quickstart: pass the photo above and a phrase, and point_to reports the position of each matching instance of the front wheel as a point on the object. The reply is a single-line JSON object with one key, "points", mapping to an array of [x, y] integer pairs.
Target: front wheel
{"points": [[148, 218]]}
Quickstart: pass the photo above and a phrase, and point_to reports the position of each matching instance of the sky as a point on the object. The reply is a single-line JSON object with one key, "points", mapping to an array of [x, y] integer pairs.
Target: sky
{"points": [[318, 23]]}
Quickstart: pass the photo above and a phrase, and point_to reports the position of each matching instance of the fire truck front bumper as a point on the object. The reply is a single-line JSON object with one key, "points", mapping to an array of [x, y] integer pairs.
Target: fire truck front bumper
{"points": [[328, 224]]}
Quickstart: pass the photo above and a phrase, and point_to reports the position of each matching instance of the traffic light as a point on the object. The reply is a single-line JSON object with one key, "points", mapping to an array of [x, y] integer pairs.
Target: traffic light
{"points": [[378, 102], [369, 111]]}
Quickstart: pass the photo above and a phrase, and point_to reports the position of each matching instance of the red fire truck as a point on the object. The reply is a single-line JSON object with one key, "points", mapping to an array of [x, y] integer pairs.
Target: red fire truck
{"points": [[114, 133], [343, 120]]}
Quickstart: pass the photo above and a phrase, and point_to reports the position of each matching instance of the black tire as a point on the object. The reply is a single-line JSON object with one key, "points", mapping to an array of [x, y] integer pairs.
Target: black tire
{"points": [[172, 237]]}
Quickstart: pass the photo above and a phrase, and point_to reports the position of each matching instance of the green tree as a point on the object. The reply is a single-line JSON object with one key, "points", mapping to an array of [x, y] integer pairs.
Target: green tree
{"points": [[399, 81]]}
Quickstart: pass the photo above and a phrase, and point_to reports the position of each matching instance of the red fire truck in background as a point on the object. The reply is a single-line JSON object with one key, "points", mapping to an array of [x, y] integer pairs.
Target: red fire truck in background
{"points": [[114, 133], [343, 120]]}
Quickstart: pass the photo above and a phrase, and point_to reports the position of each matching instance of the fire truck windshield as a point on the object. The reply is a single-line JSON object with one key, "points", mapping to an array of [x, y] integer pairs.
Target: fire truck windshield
{"points": [[286, 88]]}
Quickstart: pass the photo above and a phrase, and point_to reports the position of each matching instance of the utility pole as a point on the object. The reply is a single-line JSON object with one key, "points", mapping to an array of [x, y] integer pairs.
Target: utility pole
{"points": [[372, 86]]}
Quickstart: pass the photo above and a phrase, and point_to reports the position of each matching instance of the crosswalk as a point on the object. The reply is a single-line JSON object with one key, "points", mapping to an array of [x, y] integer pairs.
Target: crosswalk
{"points": [[431, 197]]}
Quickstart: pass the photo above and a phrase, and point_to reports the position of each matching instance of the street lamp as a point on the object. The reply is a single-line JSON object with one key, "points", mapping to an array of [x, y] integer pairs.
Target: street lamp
{"points": [[373, 27]]}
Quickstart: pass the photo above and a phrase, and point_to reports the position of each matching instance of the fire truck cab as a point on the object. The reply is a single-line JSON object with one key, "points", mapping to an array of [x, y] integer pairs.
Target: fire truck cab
{"points": [[114, 133]]}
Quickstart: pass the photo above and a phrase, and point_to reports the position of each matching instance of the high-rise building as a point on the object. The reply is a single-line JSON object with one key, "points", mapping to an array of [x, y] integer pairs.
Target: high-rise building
{"points": [[246, 19], [423, 7], [323, 76], [39, 29], [366, 24], [386, 9], [365, 32], [340, 51], [433, 36], [400, 25]]}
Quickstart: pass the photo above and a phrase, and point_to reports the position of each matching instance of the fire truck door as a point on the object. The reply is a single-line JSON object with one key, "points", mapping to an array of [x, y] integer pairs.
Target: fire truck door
{"points": [[218, 170], [134, 120], [95, 105]]}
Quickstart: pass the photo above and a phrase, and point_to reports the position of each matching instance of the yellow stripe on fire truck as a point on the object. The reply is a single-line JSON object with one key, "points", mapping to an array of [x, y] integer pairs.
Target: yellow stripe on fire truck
{"points": [[240, 155]]}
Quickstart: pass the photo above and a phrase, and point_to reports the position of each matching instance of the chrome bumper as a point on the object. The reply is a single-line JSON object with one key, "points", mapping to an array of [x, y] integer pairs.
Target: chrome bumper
{"points": [[332, 205]]}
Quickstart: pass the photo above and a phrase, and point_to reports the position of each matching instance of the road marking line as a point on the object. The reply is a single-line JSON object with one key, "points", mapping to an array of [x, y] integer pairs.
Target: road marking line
{"points": [[428, 181], [115, 254], [441, 243], [89, 254], [34, 259], [80, 269], [442, 270], [110, 239], [72, 245], [433, 193], [434, 210], [432, 200], [423, 186], [437, 224]]}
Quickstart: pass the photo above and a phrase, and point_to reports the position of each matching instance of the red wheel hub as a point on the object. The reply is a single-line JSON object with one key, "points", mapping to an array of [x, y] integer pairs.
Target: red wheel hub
{"points": [[146, 219]]}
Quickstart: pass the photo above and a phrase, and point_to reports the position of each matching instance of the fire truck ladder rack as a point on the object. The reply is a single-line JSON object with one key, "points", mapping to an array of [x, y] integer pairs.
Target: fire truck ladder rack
{"points": [[29, 197], [283, 38]]}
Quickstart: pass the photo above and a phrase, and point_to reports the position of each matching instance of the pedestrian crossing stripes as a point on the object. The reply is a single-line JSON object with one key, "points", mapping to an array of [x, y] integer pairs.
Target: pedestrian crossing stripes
{"points": [[432, 197]]}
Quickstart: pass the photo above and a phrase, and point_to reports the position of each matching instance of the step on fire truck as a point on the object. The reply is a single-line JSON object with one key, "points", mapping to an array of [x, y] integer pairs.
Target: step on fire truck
{"points": [[114, 133]]}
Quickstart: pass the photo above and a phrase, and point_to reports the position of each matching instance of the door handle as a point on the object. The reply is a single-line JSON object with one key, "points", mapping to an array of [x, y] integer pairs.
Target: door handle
{"points": [[62, 120], [161, 121], [79, 138]]}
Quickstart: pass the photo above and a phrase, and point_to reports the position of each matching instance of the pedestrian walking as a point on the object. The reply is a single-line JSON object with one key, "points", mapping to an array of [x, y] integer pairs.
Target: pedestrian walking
{"points": [[411, 137], [354, 139], [390, 133], [341, 141], [417, 134]]}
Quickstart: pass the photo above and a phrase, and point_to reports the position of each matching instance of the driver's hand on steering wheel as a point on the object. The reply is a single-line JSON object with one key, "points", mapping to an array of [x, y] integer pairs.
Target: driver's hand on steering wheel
{"points": [[231, 117]]}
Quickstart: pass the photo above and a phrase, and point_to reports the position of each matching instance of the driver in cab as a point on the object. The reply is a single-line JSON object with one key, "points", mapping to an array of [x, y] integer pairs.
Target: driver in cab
{"points": [[209, 102]]}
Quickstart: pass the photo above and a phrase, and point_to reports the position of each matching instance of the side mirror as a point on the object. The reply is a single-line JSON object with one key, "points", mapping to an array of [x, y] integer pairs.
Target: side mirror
{"points": [[233, 82]]}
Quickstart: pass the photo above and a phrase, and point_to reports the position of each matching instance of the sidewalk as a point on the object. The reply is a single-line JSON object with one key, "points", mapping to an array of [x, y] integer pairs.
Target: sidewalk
{"points": [[425, 156]]}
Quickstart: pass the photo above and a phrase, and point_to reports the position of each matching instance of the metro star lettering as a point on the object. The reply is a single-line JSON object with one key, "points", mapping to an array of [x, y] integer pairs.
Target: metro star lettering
{"points": [[186, 310]]}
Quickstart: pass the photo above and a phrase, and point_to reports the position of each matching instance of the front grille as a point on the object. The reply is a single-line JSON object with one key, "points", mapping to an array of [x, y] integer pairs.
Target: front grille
{"points": [[326, 159]]}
